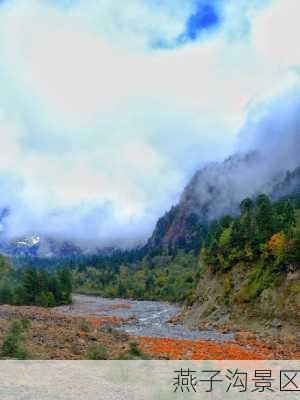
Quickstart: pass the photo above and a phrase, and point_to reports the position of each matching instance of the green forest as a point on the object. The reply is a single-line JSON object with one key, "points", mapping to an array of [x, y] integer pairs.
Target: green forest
{"points": [[34, 286], [264, 231], [265, 236]]}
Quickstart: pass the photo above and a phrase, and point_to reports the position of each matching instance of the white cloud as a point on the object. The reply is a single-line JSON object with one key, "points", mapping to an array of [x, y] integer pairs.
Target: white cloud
{"points": [[277, 32], [92, 118]]}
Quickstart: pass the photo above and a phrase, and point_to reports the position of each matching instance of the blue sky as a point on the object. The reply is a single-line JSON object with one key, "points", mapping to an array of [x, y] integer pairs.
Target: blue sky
{"points": [[204, 18], [107, 108]]}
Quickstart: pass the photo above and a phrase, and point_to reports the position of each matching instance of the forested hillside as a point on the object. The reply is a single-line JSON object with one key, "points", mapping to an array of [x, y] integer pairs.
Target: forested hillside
{"points": [[153, 277], [265, 233], [250, 268], [215, 191], [243, 258], [34, 286], [243, 264]]}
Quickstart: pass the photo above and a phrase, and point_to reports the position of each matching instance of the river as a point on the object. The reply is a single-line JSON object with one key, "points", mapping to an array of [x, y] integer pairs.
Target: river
{"points": [[147, 318]]}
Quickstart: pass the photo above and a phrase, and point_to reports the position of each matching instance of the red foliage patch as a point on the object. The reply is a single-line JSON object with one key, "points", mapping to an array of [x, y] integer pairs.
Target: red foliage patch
{"points": [[210, 350]]}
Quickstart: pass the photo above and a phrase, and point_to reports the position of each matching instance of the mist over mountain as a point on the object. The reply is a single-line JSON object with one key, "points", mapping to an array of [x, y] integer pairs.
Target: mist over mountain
{"points": [[101, 127], [268, 162]]}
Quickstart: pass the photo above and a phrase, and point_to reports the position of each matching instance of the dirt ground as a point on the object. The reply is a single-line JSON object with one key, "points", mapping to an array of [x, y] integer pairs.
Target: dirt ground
{"points": [[55, 336], [52, 335]]}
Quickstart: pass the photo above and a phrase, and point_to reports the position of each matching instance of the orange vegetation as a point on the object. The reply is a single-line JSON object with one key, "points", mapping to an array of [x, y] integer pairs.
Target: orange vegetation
{"points": [[98, 321], [209, 350]]}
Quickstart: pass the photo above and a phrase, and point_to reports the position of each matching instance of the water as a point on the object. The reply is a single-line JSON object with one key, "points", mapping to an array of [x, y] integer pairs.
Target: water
{"points": [[150, 317]]}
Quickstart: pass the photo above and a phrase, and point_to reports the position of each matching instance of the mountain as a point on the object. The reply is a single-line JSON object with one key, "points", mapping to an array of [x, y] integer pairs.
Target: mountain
{"points": [[38, 246], [43, 247], [290, 186], [246, 274], [178, 228], [215, 191]]}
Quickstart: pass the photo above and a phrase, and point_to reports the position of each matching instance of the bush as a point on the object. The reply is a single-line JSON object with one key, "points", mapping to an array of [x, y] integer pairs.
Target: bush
{"points": [[133, 353], [97, 352], [84, 326], [12, 346], [25, 323], [6, 295], [260, 278], [134, 349], [45, 299]]}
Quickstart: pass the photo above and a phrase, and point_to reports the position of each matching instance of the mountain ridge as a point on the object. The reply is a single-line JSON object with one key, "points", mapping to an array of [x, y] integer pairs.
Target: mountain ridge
{"points": [[204, 199], [214, 191]]}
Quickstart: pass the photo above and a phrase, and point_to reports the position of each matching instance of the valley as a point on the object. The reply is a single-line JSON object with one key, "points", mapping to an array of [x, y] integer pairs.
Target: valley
{"points": [[139, 318], [198, 289], [149, 180], [97, 328]]}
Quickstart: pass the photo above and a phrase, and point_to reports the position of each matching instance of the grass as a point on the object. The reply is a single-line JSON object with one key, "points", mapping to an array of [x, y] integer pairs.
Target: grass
{"points": [[260, 278], [97, 352], [134, 353], [13, 343]]}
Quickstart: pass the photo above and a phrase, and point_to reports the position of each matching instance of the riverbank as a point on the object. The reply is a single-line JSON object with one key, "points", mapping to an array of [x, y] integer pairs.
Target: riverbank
{"points": [[53, 335], [69, 333], [155, 326], [140, 318], [240, 349]]}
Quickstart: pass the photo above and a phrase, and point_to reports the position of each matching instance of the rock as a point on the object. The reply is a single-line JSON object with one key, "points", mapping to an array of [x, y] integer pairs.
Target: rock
{"points": [[132, 319], [224, 318], [176, 319], [276, 323], [244, 336]]}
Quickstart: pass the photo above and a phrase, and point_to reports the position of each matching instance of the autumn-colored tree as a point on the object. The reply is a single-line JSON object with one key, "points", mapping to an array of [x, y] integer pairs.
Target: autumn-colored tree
{"points": [[277, 246]]}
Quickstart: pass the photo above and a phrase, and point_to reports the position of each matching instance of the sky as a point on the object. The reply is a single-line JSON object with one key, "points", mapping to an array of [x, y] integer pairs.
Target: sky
{"points": [[108, 108]]}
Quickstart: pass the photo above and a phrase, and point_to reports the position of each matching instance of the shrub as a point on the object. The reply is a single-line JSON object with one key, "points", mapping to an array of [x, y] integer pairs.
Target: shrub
{"points": [[134, 349], [97, 352], [260, 278], [133, 353], [6, 295], [12, 346], [45, 299], [84, 326]]}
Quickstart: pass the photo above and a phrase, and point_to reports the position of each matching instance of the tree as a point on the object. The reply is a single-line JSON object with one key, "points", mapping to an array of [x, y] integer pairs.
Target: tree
{"points": [[5, 266], [6, 294], [225, 238], [121, 290], [12, 345], [264, 218], [30, 286], [294, 252], [289, 216], [45, 299], [65, 282], [277, 246], [246, 206]]}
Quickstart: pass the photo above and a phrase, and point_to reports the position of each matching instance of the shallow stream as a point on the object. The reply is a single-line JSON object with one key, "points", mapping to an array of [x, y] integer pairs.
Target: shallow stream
{"points": [[150, 318]]}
